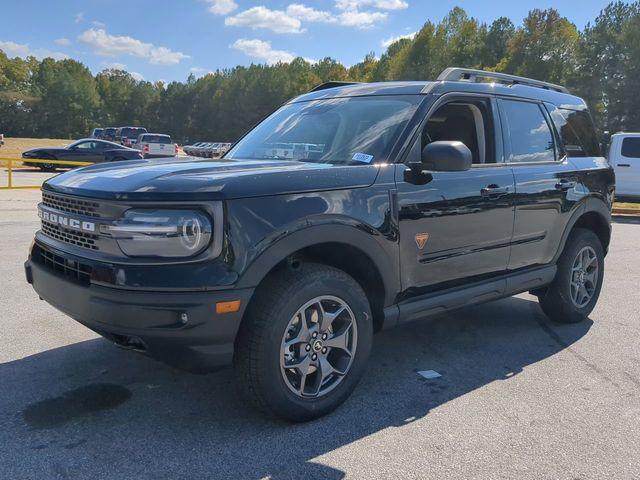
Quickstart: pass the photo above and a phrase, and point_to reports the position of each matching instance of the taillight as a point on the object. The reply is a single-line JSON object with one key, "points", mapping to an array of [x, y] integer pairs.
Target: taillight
{"points": [[145, 148], [176, 145]]}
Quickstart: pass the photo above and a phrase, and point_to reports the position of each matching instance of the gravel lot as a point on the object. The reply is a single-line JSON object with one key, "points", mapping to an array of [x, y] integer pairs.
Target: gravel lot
{"points": [[519, 397]]}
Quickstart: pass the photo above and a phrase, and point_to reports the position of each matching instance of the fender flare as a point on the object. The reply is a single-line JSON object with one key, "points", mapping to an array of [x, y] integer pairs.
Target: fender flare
{"points": [[318, 234], [590, 204]]}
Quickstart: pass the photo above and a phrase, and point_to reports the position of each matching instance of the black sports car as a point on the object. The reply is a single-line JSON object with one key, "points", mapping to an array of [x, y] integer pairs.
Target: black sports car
{"points": [[85, 150]]}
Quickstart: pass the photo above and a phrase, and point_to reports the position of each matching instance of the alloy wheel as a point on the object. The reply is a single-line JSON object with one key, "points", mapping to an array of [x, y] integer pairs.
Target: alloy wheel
{"points": [[584, 277], [318, 346]]}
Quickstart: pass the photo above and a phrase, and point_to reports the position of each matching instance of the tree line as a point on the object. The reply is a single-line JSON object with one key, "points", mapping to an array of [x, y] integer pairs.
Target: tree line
{"points": [[601, 63]]}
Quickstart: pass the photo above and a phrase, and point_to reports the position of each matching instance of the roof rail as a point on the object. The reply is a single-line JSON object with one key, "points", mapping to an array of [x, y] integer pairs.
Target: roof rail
{"points": [[455, 74], [326, 85]]}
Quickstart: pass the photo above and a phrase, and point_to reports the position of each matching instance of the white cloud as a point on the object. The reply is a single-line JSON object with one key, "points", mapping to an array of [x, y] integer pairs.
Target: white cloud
{"points": [[379, 4], [308, 14], [387, 43], [62, 41], [221, 7], [262, 50], [115, 66], [277, 21], [136, 76], [13, 49], [98, 24], [108, 45], [78, 17], [354, 18], [164, 56]]}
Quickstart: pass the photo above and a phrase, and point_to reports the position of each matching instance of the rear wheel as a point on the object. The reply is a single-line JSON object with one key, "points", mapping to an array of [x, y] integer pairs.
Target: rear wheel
{"points": [[305, 342], [575, 290]]}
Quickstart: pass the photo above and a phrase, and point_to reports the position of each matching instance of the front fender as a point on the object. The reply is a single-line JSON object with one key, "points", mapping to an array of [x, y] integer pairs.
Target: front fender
{"points": [[353, 235]]}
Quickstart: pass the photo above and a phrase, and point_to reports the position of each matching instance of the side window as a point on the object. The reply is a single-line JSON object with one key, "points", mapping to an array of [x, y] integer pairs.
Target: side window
{"points": [[631, 147], [468, 121], [530, 136], [577, 132], [85, 145]]}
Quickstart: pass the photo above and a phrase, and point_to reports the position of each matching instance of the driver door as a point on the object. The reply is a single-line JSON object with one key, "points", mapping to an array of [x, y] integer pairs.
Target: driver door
{"points": [[88, 151], [456, 226]]}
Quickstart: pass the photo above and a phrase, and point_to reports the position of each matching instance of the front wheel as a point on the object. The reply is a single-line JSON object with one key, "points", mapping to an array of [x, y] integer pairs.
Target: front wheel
{"points": [[305, 342], [575, 290], [47, 167]]}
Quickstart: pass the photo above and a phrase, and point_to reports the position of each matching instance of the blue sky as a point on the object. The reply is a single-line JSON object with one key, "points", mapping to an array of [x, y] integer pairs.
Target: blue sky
{"points": [[166, 40]]}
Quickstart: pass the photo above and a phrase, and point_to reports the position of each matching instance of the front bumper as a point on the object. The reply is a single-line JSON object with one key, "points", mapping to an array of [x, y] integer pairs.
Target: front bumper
{"points": [[178, 328]]}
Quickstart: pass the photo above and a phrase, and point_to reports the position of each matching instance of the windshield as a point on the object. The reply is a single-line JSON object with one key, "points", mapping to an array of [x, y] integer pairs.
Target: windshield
{"points": [[156, 139], [337, 130], [132, 132]]}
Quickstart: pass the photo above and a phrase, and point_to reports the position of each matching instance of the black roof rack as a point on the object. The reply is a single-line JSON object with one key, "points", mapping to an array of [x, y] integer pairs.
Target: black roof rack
{"points": [[455, 74], [326, 85]]}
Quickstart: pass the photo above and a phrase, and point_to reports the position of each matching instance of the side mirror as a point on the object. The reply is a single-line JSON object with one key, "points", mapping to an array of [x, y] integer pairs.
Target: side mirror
{"points": [[449, 156]]}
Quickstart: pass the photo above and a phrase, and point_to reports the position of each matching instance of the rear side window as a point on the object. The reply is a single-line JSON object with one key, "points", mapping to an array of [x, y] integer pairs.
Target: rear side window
{"points": [[529, 132], [631, 147], [579, 136]]}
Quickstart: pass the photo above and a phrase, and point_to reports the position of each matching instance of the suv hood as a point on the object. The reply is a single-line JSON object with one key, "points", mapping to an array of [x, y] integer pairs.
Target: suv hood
{"points": [[171, 179]]}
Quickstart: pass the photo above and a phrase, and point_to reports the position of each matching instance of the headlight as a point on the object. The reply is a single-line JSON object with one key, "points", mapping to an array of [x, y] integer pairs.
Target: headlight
{"points": [[161, 233]]}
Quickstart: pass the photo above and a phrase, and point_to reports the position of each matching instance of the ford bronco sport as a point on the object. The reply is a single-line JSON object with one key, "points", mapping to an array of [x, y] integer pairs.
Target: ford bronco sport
{"points": [[351, 209]]}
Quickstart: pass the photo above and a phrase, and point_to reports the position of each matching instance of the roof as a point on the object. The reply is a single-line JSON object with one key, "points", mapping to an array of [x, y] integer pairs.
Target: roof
{"points": [[534, 89]]}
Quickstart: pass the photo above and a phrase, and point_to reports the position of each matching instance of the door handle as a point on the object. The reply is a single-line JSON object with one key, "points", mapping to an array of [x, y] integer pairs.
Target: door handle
{"points": [[494, 191], [623, 165], [565, 185]]}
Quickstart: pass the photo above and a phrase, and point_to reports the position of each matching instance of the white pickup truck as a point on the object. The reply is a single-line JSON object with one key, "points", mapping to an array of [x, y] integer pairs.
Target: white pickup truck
{"points": [[624, 157], [156, 145]]}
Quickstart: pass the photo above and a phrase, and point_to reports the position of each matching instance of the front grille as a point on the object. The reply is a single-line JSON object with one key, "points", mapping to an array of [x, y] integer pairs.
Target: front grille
{"points": [[70, 269], [72, 237], [71, 205]]}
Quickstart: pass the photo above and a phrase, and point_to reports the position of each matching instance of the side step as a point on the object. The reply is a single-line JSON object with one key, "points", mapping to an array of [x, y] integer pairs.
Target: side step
{"points": [[458, 297]]}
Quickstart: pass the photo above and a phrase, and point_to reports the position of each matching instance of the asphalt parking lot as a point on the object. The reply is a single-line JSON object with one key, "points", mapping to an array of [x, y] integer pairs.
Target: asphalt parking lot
{"points": [[519, 397]]}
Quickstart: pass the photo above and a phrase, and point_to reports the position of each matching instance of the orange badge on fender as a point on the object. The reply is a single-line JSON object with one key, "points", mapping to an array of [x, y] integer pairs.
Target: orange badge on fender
{"points": [[421, 239]]}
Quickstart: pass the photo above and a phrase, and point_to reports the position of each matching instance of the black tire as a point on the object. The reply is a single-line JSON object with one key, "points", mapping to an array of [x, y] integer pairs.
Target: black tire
{"points": [[258, 353], [47, 167], [557, 301]]}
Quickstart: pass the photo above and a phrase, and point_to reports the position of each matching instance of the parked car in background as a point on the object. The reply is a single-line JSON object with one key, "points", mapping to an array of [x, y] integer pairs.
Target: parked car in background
{"points": [[624, 157], [190, 149], [85, 150], [109, 134], [207, 151], [127, 136], [220, 149], [155, 145], [200, 150], [97, 133]]}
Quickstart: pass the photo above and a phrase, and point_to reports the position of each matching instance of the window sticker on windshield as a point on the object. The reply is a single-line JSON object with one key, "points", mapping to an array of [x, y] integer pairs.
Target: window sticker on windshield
{"points": [[362, 157]]}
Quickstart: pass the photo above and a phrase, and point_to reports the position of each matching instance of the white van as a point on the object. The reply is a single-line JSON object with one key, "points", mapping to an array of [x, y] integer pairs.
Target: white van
{"points": [[624, 156]]}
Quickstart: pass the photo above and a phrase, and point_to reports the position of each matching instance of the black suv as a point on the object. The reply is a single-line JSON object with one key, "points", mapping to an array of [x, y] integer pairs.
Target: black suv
{"points": [[353, 208]]}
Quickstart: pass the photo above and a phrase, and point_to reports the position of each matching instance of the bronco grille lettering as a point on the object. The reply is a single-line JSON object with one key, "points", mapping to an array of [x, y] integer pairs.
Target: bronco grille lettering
{"points": [[66, 221]]}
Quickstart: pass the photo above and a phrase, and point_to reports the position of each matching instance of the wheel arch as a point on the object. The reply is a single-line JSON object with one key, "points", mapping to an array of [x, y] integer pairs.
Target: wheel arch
{"points": [[343, 247], [593, 215]]}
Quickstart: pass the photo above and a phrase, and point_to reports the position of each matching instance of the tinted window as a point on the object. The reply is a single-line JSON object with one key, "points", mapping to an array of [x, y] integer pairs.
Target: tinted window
{"points": [[132, 132], [155, 139], [631, 147], [531, 137], [85, 145], [582, 132], [340, 130]]}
